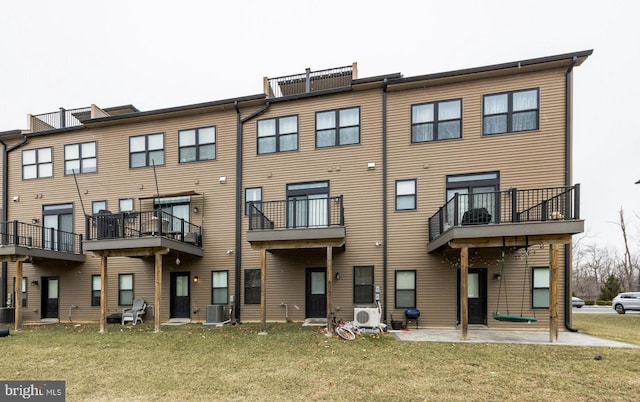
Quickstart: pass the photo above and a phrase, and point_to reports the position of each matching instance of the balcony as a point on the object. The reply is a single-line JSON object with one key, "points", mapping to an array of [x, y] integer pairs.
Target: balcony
{"points": [[512, 218], [55, 120], [310, 81], [296, 224], [141, 233], [19, 240]]}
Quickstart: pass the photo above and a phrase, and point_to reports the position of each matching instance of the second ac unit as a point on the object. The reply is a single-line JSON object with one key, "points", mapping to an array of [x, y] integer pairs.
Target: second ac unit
{"points": [[366, 316]]}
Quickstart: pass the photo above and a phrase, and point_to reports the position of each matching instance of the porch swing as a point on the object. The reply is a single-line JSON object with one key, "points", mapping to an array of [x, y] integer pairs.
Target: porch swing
{"points": [[509, 317]]}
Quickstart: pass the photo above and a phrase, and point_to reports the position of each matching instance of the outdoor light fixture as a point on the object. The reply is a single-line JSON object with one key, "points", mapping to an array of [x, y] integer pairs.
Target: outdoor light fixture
{"points": [[195, 210], [223, 179], [497, 276], [371, 165], [34, 283], [337, 275], [196, 279], [34, 220]]}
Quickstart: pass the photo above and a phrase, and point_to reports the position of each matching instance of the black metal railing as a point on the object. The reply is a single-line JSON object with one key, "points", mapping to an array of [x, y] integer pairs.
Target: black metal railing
{"points": [[510, 206], [310, 81], [63, 118], [295, 214], [15, 233], [134, 224]]}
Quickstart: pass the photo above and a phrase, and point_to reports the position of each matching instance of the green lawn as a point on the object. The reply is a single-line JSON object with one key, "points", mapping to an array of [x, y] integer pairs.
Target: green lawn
{"points": [[191, 362]]}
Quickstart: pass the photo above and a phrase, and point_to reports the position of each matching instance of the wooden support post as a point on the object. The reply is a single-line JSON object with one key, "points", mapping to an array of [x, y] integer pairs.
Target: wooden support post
{"points": [[158, 294], [553, 293], [263, 291], [464, 291], [103, 293], [17, 296], [328, 290]]}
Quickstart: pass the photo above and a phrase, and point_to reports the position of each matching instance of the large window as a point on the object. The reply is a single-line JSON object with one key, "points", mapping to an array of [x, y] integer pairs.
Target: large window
{"points": [[178, 208], [97, 206], [278, 134], [540, 288], [219, 287], [475, 191], [405, 194], [436, 121], [95, 290], [405, 289], [252, 286], [80, 158], [308, 205], [146, 150], [338, 127], [510, 112], [37, 163], [252, 194], [363, 289], [125, 289], [198, 144], [125, 204], [60, 218]]}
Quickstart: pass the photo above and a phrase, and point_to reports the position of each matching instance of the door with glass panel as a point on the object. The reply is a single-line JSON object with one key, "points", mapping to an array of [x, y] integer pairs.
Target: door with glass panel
{"points": [[179, 295], [58, 227], [308, 205], [476, 296], [176, 213], [475, 191], [316, 293], [49, 297]]}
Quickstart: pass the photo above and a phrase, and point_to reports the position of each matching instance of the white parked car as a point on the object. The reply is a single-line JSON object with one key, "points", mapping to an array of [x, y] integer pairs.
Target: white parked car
{"points": [[577, 302], [626, 301]]}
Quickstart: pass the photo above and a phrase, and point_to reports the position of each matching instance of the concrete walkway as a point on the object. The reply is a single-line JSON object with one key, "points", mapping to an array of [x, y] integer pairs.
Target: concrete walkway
{"points": [[483, 335]]}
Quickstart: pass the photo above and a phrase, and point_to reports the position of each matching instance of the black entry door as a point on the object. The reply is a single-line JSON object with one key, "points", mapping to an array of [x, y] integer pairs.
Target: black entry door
{"points": [[316, 293], [476, 296], [180, 300], [49, 300]]}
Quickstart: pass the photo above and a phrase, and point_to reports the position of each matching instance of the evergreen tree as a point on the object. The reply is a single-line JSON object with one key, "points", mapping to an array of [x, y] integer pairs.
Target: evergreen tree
{"points": [[610, 288]]}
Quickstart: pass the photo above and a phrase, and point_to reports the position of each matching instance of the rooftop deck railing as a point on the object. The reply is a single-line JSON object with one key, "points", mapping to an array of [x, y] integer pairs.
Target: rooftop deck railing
{"points": [[310, 81], [296, 214], [63, 118], [135, 224], [510, 206], [20, 234]]}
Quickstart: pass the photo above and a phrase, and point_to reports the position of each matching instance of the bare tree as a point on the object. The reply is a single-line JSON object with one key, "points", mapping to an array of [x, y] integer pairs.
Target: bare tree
{"points": [[626, 270]]}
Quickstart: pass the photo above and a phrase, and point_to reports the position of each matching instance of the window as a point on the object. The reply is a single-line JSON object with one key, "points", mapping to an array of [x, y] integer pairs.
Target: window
{"points": [[475, 191], [23, 290], [95, 290], [253, 194], [219, 287], [198, 144], [80, 158], [278, 134], [405, 194], [540, 291], [97, 206], [58, 217], [125, 289], [308, 205], [436, 121], [510, 112], [363, 285], [125, 204], [405, 289], [37, 163], [338, 127], [252, 286], [146, 150]]}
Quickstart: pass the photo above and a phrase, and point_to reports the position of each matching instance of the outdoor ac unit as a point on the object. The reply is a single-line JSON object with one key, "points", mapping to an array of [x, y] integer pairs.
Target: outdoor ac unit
{"points": [[366, 316], [215, 313]]}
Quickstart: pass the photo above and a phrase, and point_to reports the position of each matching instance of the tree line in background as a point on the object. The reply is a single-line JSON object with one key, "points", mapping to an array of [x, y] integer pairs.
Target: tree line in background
{"points": [[600, 273]]}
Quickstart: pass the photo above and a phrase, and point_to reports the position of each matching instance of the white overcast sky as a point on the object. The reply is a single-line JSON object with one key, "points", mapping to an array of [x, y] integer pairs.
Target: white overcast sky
{"points": [[156, 54]]}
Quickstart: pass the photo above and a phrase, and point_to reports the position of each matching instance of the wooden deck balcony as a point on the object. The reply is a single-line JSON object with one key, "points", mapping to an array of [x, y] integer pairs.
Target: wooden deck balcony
{"points": [[22, 241], [295, 224], [507, 218], [140, 233]]}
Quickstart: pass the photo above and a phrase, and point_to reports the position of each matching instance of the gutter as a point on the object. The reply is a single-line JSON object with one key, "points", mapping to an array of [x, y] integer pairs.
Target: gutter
{"points": [[384, 201], [5, 204], [239, 205], [567, 158]]}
